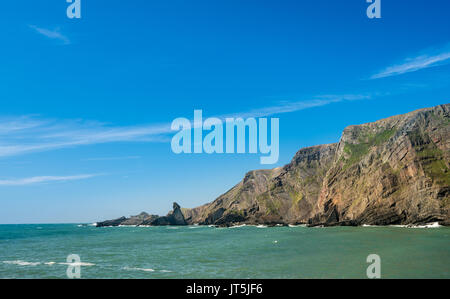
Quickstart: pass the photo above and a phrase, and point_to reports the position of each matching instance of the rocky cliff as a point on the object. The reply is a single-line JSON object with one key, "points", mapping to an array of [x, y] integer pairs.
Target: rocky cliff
{"points": [[278, 196], [174, 217], [392, 171]]}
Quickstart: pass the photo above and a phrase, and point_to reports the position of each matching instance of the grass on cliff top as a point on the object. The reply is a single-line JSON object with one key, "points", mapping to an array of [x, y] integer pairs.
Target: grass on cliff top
{"points": [[356, 151]]}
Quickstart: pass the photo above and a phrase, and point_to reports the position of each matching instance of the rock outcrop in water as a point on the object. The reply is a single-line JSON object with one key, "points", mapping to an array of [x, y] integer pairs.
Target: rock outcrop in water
{"points": [[113, 222], [392, 171], [175, 217]]}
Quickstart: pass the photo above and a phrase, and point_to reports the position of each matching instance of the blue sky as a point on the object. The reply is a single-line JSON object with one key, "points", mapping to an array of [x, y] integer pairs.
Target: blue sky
{"points": [[85, 103]]}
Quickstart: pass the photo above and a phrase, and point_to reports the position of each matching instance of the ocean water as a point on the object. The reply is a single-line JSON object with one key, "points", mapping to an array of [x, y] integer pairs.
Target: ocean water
{"points": [[40, 251]]}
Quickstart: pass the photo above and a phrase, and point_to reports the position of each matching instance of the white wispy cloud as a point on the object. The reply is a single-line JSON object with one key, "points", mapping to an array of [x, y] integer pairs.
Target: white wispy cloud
{"points": [[29, 134], [44, 179], [412, 64], [37, 135], [288, 107], [112, 158], [52, 34], [11, 125]]}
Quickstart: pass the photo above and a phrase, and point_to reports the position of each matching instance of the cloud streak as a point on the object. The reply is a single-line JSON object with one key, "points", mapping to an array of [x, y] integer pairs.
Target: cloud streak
{"points": [[27, 134], [52, 34], [289, 107], [112, 158], [44, 179], [34, 135], [419, 62]]}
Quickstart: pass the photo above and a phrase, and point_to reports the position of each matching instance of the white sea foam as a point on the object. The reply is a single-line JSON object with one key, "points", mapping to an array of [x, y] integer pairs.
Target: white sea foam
{"points": [[25, 263], [139, 269], [145, 269], [427, 225], [236, 226], [261, 226], [433, 225], [22, 263], [76, 264]]}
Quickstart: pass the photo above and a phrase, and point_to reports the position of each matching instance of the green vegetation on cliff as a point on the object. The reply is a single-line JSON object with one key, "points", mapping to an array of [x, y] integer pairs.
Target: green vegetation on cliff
{"points": [[355, 151]]}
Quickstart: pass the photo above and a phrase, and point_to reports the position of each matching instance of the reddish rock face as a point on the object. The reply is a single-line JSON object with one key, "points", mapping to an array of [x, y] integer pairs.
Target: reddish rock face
{"points": [[393, 171]]}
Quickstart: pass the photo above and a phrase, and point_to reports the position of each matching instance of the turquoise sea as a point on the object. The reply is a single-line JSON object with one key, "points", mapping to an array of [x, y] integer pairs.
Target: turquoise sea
{"points": [[40, 251]]}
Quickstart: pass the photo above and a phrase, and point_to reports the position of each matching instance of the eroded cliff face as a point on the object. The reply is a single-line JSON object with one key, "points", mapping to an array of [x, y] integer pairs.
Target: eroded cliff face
{"points": [[277, 196], [393, 171]]}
